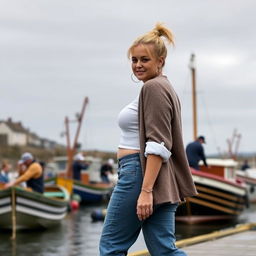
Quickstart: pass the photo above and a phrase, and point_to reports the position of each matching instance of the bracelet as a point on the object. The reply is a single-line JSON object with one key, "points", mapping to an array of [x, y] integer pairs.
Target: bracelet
{"points": [[147, 190]]}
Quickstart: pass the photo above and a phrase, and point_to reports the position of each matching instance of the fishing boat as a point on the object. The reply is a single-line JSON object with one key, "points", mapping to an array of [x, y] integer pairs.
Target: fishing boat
{"points": [[248, 176], [25, 209], [92, 192], [89, 188], [220, 195], [89, 192]]}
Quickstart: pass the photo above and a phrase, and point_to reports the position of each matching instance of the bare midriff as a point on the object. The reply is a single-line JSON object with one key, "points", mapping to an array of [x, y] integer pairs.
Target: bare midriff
{"points": [[121, 152]]}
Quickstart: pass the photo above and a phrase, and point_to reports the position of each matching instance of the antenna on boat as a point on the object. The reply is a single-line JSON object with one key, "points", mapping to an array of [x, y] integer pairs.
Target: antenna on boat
{"points": [[233, 144], [192, 67], [71, 149]]}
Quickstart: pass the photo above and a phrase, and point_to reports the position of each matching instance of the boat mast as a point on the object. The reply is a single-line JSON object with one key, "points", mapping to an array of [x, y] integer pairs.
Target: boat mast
{"points": [[72, 150], [194, 100], [233, 144]]}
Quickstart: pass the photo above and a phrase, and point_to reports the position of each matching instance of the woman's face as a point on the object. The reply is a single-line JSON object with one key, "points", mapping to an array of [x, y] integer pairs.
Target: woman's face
{"points": [[145, 65]]}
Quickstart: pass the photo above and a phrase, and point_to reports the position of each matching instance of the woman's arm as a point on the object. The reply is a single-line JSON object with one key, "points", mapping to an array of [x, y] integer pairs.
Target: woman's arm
{"points": [[156, 112], [145, 200], [32, 172]]}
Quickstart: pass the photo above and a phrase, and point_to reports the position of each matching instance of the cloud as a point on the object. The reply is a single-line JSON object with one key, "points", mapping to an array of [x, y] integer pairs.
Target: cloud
{"points": [[54, 53]]}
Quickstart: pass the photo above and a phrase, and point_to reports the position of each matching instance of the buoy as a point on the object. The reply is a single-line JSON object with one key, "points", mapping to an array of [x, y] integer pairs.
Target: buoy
{"points": [[74, 205], [76, 197], [98, 215]]}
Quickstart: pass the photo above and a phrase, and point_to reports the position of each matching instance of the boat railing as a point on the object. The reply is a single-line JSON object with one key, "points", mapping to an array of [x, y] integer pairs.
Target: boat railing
{"points": [[54, 194], [1, 185]]}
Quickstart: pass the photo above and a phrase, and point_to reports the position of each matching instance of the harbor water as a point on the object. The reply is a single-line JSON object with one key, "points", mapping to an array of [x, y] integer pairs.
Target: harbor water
{"points": [[79, 236]]}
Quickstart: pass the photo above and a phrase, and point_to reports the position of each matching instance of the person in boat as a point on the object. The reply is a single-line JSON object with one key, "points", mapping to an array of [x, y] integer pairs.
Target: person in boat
{"points": [[195, 153], [106, 169], [245, 165], [33, 175], [153, 171], [4, 172], [21, 169], [78, 165]]}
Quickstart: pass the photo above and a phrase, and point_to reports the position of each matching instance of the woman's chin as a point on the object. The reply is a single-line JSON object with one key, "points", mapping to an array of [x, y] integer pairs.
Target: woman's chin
{"points": [[140, 78]]}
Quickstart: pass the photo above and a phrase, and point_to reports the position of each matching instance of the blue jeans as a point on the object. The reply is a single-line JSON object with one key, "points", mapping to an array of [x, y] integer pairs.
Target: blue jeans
{"points": [[122, 226]]}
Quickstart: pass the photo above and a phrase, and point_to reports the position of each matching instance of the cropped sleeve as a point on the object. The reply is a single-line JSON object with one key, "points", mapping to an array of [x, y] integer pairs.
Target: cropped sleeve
{"points": [[159, 149]]}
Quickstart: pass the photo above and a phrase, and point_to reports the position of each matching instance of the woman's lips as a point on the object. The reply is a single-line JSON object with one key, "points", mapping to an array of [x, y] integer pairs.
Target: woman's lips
{"points": [[139, 73]]}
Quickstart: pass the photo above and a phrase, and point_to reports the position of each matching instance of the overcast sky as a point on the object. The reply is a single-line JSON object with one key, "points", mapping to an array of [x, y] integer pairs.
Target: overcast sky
{"points": [[53, 53]]}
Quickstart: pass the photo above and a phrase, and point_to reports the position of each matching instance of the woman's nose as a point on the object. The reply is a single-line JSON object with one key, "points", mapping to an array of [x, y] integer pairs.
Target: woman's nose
{"points": [[138, 64]]}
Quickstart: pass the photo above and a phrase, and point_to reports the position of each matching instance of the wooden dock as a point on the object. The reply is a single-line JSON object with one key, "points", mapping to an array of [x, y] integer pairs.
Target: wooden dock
{"points": [[238, 241], [241, 244]]}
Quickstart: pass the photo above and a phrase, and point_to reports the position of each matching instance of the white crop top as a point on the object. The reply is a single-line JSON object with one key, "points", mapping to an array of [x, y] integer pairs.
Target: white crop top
{"points": [[129, 139], [128, 122]]}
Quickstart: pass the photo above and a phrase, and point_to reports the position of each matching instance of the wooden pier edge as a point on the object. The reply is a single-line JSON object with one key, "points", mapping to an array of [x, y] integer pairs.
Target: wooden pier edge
{"points": [[202, 238]]}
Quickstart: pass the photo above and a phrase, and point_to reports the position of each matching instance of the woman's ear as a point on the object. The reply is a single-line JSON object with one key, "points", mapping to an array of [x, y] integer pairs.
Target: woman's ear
{"points": [[161, 61]]}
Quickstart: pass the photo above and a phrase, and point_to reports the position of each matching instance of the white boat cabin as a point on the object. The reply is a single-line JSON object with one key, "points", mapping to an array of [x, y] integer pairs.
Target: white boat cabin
{"points": [[224, 168]]}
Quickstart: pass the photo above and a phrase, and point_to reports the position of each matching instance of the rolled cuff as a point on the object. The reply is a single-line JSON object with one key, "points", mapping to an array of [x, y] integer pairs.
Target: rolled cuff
{"points": [[154, 148]]}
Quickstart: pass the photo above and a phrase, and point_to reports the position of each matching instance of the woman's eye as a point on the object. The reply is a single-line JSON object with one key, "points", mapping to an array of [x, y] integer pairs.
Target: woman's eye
{"points": [[134, 60], [144, 60]]}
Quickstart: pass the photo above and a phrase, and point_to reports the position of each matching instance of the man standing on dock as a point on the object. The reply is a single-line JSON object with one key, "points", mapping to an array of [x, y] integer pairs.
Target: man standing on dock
{"points": [[195, 153]]}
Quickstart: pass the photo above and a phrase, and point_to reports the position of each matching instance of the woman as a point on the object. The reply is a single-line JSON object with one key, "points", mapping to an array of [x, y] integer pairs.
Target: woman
{"points": [[153, 171]]}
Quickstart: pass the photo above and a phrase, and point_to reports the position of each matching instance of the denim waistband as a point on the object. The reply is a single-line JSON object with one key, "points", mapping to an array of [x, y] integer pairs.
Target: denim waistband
{"points": [[130, 157]]}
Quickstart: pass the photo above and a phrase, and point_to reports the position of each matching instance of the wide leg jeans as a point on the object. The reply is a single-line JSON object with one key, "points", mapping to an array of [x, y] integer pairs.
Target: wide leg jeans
{"points": [[122, 226]]}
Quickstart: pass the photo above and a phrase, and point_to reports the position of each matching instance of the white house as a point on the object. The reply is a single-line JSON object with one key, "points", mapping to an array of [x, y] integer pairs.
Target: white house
{"points": [[12, 133], [33, 139], [50, 144]]}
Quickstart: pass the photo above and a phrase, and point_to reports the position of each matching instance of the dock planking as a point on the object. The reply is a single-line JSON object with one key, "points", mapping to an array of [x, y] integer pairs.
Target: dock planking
{"points": [[237, 241], [241, 244]]}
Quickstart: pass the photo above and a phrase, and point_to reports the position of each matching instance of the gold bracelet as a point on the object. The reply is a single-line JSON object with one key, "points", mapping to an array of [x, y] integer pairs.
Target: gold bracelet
{"points": [[147, 190]]}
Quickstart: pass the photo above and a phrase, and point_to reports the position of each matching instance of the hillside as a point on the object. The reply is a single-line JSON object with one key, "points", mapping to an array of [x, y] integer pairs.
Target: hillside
{"points": [[13, 153]]}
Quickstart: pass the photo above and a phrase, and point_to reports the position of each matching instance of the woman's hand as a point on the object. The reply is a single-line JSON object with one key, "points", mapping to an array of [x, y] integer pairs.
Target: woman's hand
{"points": [[145, 200], [144, 205]]}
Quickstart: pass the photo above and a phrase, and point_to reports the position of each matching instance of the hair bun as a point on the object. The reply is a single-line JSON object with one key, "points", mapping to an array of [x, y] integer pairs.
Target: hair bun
{"points": [[157, 32], [161, 30], [154, 37]]}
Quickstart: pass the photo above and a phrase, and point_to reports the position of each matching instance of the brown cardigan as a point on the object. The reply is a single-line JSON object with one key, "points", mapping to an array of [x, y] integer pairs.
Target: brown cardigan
{"points": [[160, 121]]}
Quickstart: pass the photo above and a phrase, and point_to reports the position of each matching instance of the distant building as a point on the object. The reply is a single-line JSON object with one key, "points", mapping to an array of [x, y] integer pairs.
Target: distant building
{"points": [[12, 133], [50, 144], [33, 140]]}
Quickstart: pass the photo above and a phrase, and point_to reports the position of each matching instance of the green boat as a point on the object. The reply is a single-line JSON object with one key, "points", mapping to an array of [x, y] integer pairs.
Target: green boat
{"points": [[24, 209], [88, 192]]}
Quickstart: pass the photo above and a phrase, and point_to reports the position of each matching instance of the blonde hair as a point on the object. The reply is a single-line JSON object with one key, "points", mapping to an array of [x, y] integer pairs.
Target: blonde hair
{"points": [[154, 37]]}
